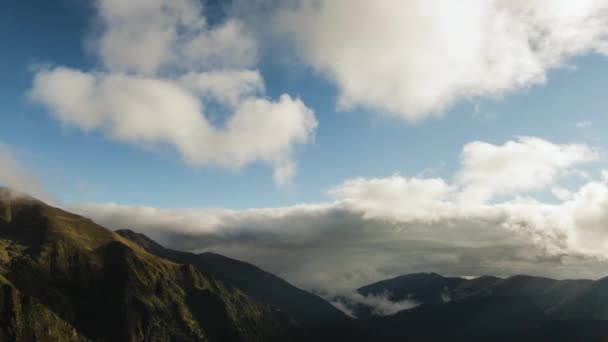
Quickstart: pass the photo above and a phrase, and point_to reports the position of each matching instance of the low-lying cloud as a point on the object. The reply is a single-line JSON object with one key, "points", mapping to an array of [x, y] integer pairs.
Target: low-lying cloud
{"points": [[379, 228], [378, 304]]}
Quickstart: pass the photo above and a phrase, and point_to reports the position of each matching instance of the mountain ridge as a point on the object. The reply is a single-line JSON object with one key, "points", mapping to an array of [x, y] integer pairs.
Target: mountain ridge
{"points": [[315, 314], [82, 274], [517, 307], [63, 277]]}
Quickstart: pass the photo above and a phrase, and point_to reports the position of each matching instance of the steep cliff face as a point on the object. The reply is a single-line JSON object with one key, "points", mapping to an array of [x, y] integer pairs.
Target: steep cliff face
{"points": [[63, 273], [23, 318], [318, 319]]}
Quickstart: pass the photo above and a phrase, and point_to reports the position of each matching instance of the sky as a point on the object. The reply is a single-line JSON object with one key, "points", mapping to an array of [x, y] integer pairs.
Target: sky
{"points": [[334, 143]]}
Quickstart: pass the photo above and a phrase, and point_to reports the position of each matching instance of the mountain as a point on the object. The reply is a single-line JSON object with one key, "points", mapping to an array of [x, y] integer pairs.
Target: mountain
{"points": [[518, 307], [559, 299], [487, 307], [65, 278], [415, 288], [427, 288], [318, 318]]}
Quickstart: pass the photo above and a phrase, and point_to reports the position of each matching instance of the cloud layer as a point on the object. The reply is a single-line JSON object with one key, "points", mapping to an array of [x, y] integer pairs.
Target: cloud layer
{"points": [[168, 78], [379, 228], [416, 58]]}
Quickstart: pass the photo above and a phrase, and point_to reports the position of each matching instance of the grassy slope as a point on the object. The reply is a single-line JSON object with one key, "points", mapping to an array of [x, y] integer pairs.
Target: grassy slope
{"points": [[108, 288], [320, 319]]}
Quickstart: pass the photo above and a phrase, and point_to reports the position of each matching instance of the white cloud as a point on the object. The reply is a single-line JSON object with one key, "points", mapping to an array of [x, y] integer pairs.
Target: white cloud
{"points": [[148, 37], [387, 197], [154, 111], [486, 171], [590, 212], [381, 304], [525, 164], [417, 58], [226, 87], [383, 227], [167, 75], [15, 176]]}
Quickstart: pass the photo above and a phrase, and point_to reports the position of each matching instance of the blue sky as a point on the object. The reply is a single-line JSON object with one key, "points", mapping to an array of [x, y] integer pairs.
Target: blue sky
{"points": [[82, 166]]}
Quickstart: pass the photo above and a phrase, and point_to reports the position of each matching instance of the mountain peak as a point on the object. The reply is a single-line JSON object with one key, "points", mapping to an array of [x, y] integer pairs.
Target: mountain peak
{"points": [[63, 270]]}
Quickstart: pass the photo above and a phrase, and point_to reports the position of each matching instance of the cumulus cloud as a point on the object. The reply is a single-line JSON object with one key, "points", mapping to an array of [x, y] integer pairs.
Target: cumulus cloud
{"points": [[153, 111], [486, 172], [524, 164], [388, 197], [15, 176], [589, 206], [379, 228], [225, 87], [167, 74], [417, 58], [146, 37]]}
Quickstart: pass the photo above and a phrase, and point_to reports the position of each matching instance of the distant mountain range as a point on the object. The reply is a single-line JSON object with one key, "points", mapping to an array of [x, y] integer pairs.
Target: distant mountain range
{"points": [[65, 278], [513, 308]]}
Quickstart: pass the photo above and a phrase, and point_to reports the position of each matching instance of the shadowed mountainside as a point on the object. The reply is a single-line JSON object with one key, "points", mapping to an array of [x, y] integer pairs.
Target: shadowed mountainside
{"points": [[487, 307], [319, 318], [518, 307], [63, 277]]}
